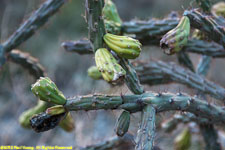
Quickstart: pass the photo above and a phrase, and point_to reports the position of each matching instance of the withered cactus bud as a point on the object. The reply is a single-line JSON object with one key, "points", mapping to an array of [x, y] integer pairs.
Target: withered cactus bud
{"points": [[94, 73], [44, 122], [183, 140], [67, 123], [123, 123], [111, 71], [123, 46], [46, 90], [174, 40], [110, 12], [219, 9], [24, 118]]}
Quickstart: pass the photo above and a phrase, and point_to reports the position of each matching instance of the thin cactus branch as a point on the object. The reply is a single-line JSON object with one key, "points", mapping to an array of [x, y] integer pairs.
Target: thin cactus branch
{"points": [[161, 102], [28, 62], [194, 46], [205, 48], [146, 132], [114, 142], [95, 22], [183, 59], [180, 75], [208, 25], [81, 46], [210, 137], [28, 28]]}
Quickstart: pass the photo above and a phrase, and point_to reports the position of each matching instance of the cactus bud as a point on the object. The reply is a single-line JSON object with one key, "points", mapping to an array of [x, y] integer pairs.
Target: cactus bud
{"points": [[24, 118], [56, 110], [174, 40], [124, 46], [68, 123], [123, 123], [110, 12], [183, 140], [44, 122], [219, 9], [112, 27], [111, 71], [94, 73], [47, 91]]}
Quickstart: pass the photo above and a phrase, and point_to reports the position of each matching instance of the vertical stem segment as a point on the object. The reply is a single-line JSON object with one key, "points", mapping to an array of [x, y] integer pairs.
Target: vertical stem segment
{"points": [[146, 133], [95, 22]]}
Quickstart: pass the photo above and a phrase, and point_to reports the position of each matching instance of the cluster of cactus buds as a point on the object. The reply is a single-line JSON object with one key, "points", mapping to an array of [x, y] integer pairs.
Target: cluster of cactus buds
{"points": [[174, 40], [124, 46], [183, 140], [94, 73], [112, 27], [219, 9], [111, 71], [46, 90], [110, 12], [123, 123]]}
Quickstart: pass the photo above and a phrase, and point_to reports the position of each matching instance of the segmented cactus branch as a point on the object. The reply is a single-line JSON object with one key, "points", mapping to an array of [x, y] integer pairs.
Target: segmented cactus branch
{"points": [[208, 25], [146, 132], [28, 28], [184, 59], [181, 75], [95, 22], [81, 46], [28, 62], [161, 102]]}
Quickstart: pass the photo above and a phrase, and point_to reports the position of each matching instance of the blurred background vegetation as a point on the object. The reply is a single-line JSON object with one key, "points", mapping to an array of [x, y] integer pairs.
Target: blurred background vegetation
{"points": [[68, 71]]}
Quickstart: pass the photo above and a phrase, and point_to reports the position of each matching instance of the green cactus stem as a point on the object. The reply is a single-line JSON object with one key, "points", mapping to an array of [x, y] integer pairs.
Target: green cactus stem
{"points": [[184, 59], [205, 5], [82, 46], [146, 132], [28, 28], [174, 40], [123, 123], [183, 140], [28, 62], [161, 102], [95, 22], [47, 91], [206, 24]]}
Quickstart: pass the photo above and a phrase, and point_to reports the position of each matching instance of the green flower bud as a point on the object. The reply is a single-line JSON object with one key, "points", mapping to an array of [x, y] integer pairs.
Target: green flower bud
{"points": [[124, 46], [56, 110], [68, 123], [47, 91], [174, 40], [123, 123], [112, 27], [94, 73], [24, 118], [219, 9], [111, 71], [110, 12], [183, 140]]}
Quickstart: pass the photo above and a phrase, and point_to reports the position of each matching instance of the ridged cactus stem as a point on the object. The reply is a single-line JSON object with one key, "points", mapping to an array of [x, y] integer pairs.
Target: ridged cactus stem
{"points": [[28, 28], [184, 59], [146, 132], [28, 62], [95, 22], [208, 25], [181, 75], [161, 102]]}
